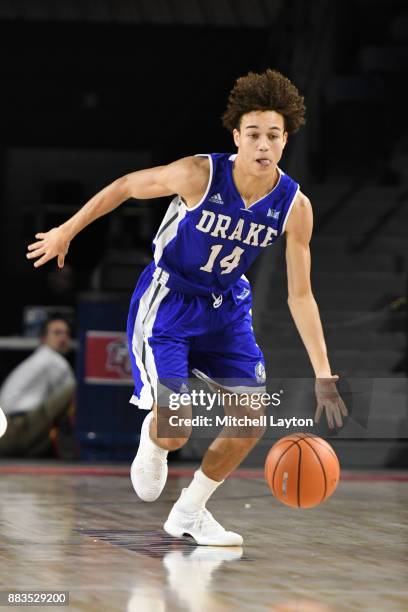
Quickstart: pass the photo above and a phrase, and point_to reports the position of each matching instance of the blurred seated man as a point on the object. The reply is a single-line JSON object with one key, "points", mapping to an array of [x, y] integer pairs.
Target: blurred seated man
{"points": [[37, 394]]}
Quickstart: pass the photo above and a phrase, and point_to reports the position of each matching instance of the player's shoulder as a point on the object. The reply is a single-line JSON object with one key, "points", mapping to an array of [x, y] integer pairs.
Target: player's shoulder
{"points": [[302, 202], [301, 205], [301, 214], [193, 168], [201, 165], [194, 163], [188, 177]]}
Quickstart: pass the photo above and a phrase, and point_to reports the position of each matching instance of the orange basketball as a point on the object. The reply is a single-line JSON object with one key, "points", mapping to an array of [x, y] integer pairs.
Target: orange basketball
{"points": [[302, 470]]}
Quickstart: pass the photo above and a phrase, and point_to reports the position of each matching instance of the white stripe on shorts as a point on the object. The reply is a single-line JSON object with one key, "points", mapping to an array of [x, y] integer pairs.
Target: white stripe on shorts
{"points": [[146, 316]]}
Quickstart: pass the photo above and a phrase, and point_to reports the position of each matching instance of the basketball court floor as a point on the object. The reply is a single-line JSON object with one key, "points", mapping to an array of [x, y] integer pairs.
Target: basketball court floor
{"points": [[83, 530]]}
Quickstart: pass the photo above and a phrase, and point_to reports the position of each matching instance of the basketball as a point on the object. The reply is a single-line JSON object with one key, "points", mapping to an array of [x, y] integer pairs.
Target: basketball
{"points": [[302, 470]]}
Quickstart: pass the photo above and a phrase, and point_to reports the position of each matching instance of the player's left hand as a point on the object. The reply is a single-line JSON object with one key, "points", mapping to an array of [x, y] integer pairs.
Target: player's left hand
{"points": [[328, 399]]}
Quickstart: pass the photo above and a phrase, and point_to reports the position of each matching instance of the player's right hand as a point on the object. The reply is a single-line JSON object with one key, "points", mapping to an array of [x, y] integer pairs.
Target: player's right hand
{"points": [[54, 243], [329, 401]]}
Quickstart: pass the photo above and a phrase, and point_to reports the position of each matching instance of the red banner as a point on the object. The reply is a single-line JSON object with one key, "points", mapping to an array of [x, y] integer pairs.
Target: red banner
{"points": [[107, 358]]}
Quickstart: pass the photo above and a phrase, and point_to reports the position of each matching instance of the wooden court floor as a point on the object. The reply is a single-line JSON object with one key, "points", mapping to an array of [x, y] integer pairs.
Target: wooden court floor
{"points": [[90, 535]]}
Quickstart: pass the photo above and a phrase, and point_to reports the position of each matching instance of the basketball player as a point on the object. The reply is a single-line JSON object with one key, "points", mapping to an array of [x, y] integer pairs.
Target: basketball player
{"points": [[192, 304]]}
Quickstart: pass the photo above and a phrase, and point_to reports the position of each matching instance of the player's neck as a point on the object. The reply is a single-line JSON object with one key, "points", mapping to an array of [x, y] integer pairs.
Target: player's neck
{"points": [[253, 188]]}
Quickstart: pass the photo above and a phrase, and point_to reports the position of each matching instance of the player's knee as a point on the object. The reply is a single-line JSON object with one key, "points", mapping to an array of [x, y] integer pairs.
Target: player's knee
{"points": [[181, 433], [174, 426], [246, 426], [253, 437], [173, 440], [250, 435], [177, 443], [258, 432]]}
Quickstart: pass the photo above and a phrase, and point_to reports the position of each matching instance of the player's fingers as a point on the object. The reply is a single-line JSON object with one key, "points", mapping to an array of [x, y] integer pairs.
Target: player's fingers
{"points": [[329, 416], [46, 257], [337, 416], [40, 235], [35, 253], [61, 259], [34, 245], [318, 413], [343, 407]]}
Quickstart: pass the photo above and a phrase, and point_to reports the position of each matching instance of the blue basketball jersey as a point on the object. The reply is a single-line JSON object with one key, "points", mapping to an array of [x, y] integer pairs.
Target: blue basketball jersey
{"points": [[207, 248]]}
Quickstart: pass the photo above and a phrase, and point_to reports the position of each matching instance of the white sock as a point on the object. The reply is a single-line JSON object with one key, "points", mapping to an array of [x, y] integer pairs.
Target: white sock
{"points": [[153, 444], [196, 495]]}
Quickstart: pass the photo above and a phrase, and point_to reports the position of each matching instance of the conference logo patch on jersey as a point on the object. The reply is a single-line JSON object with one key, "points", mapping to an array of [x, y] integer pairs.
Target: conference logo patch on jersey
{"points": [[243, 294], [216, 198], [273, 213], [260, 373]]}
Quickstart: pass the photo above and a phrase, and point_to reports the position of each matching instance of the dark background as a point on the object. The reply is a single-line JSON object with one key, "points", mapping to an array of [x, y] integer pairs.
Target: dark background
{"points": [[145, 83], [92, 90]]}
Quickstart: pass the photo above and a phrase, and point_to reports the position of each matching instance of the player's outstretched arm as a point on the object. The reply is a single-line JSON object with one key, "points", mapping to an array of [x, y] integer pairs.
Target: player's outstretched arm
{"points": [[186, 177], [305, 312]]}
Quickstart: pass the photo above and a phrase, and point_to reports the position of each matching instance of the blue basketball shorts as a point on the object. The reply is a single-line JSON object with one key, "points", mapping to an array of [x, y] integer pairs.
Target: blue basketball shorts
{"points": [[171, 333]]}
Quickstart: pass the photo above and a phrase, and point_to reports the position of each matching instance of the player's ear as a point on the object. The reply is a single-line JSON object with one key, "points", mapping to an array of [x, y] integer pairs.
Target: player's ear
{"points": [[285, 138], [236, 135]]}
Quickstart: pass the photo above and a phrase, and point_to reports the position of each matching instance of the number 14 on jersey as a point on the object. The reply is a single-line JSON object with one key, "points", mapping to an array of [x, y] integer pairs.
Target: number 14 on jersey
{"points": [[227, 263]]}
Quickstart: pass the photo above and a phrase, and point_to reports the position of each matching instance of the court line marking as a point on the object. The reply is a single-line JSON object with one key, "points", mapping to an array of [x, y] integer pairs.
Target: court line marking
{"points": [[256, 474]]}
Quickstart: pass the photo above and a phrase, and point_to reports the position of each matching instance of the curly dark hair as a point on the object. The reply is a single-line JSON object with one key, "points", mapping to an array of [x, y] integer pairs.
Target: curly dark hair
{"points": [[269, 90]]}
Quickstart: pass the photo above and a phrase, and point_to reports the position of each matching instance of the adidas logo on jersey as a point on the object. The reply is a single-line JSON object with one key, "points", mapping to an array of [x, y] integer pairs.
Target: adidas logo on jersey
{"points": [[273, 213], [216, 198]]}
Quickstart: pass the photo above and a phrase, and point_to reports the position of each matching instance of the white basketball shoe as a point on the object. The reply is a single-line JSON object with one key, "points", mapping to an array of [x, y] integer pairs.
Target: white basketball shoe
{"points": [[201, 526], [149, 468]]}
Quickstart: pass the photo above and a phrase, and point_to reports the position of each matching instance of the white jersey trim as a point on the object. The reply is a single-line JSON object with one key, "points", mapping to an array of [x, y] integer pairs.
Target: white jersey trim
{"points": [[289, 209], [163, 238], [188, 208]]}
